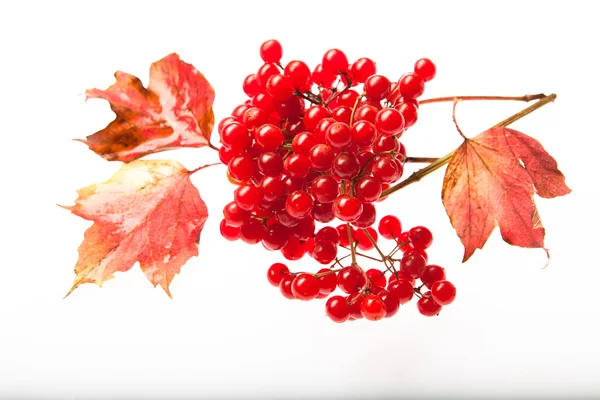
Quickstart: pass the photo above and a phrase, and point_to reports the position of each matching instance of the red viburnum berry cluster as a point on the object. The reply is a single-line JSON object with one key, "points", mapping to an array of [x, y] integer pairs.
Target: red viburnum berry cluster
{"points": [[311, 146]]}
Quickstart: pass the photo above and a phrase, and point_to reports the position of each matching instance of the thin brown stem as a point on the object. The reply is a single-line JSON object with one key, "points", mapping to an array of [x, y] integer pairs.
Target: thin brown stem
{"points": [[374, 243], [202, 167], [358, 99], [332, 271], [526, 98], [351, 242], [454, 119], [420, 159], [311, 97], [440, 162], [361, 254]]}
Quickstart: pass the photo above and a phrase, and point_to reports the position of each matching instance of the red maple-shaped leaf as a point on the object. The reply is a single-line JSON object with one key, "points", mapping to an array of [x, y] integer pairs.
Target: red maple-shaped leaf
{"points": [[174, 111], [150, 212], [490, 181]]}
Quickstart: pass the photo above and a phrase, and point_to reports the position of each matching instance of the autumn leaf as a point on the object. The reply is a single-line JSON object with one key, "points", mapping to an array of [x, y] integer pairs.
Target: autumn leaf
{"points": [[150, 212], [490, 181], [175, 111]]}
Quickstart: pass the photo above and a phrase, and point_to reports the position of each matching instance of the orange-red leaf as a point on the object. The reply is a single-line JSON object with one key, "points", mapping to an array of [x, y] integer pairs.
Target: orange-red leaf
{"points": [[150, 212], [174, 111], [490, 181]]}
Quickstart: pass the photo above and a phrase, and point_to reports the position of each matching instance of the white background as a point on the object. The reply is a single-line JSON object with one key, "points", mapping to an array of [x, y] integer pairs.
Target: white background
{"points": [[515, 329]]}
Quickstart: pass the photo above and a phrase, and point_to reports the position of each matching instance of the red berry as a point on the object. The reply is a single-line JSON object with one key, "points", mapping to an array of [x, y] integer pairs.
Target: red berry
{"points": [[425, 68], [265, 72], [390, 227], [376, 277], [345, 166], [354, 303], [294, 249], [347, 208], [276, 237], [343, 232], [413, 264], [285, 286], [324, 251], [324, 189], [391, 301], [342, 114], [280, 87], [328, 233], [443, 292], [229, 232], [276, 272], [348, 98], [372, 307], [377, 87], [296, 166], [322, 212], [241, 168], [432, 274], [270, 164], [271, 51], [252, 231], [335, 61], [327, 280], [410, 113], [337, 309], [366, 112], [286, 219], [234, 215], [291, 185], [313, 116], [386, 169], [321, 156], [403, 289], [428, 306], [364, 243], [239, 111], [420, 237], [305, 229], [269, 137], [385, 143], [351, 280], [299, 204], [263, 101], [226, 154], [272, 188], [411, 86], [322, 77], [303, 142], [339, 135], [322, 127], [389, 122], [363, 133], [235, 136], [366, 219], [305, 287], [298, 72], [254, 117], [398, 276], [367, 190], [247, 197], [251, 86], [362, 68]]}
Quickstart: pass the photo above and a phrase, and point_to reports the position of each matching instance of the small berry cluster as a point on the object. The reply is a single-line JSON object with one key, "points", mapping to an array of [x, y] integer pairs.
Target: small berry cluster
{"points": [[310, 147], [369, 294]]}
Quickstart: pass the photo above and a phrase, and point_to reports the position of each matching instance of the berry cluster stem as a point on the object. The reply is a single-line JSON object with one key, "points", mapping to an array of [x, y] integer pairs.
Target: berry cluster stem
{"points": [[526, 98], [440, 162]]}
